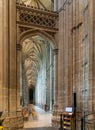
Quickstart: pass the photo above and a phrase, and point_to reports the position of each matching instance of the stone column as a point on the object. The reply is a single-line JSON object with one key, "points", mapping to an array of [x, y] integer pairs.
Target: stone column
{"points": [[55, 79], [92, 45], [70, 59], [61, 38], [73, 44], [51, 78], [55, 106], [1, 51], [25, 91], [12, 57], [5, 55], [55, 5], [18, 77], [64, 89]]}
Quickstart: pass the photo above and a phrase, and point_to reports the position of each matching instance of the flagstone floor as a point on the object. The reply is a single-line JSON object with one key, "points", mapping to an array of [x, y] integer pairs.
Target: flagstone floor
{"points": [[44, 119]]}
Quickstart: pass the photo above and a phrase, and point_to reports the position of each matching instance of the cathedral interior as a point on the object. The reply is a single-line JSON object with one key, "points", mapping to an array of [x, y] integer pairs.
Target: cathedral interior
{"points": [[47, 54]]}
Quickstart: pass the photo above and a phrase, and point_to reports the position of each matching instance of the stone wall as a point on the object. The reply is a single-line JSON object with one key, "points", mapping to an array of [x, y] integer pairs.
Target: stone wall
{"points": [[76, 56]]}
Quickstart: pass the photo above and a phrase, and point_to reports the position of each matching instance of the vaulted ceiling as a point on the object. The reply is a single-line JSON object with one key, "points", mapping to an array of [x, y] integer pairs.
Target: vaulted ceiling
{"points": [[32, 55], [33, 48], [45, 4]]}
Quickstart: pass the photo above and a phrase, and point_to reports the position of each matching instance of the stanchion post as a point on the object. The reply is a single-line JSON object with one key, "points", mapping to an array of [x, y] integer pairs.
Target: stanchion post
{"points": [[61, 122], [82, 123], [74, 106]]}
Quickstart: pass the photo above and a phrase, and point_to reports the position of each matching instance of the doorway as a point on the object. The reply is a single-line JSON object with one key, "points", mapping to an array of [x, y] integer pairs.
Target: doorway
{"points": [[31, 96]]}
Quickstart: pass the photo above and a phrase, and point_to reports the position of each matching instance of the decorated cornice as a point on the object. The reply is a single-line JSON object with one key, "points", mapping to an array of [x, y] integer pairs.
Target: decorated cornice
{"points": [[30, 17]]}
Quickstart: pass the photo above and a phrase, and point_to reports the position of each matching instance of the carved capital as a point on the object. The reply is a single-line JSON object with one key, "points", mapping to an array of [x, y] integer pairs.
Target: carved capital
{"points": [[18, 47]]}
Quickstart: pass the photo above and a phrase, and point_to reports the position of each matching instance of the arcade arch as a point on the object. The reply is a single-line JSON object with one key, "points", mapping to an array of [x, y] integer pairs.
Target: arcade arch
{"points": [[48, 40]]}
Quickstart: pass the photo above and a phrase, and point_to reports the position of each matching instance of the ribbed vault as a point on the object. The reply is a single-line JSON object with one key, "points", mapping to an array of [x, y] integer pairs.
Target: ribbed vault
{"points": [[32, 55], [44, 4]]}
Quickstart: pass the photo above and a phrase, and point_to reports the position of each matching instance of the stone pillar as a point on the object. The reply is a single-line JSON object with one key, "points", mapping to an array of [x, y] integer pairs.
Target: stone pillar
{"points": [[73, 44], [1, 52], [55, 79], [8, 63], [64, 97], [55, 5], [55, 118], [70, 59], [51, 78], [18, 77], [5, 55], [93, 54], [61, 37], [12, 57], [25, 91]]}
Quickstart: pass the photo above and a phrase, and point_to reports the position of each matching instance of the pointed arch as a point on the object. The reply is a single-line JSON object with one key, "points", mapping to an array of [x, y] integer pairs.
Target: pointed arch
{"points": [[41, 33]]}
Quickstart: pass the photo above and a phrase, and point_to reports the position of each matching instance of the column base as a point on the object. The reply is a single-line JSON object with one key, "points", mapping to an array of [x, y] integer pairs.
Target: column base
{"points": [[55, 116], [13, 122], [91, 122]]}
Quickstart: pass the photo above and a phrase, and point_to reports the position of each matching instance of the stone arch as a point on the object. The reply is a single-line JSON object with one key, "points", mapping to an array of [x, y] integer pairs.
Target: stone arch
{"points": [[41, 33], [53, 42]]}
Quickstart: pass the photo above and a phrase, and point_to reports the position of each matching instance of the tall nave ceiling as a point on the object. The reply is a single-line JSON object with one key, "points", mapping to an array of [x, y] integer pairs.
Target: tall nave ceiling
{"points": [[33, 47], [32, 55], [44, 4]]}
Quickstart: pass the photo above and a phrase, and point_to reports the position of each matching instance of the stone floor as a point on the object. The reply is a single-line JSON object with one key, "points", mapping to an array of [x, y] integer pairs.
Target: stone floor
{"points": [[42, 123], [41, 128]]}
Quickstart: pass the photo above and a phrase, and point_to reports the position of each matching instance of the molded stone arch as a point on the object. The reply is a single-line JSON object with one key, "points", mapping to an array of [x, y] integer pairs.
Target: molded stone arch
{"points": [[41, 33], [53, 42]]}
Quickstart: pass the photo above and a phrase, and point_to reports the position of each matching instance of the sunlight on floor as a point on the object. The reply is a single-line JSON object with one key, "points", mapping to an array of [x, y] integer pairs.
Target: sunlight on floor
{"points": [[44, 119]]}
